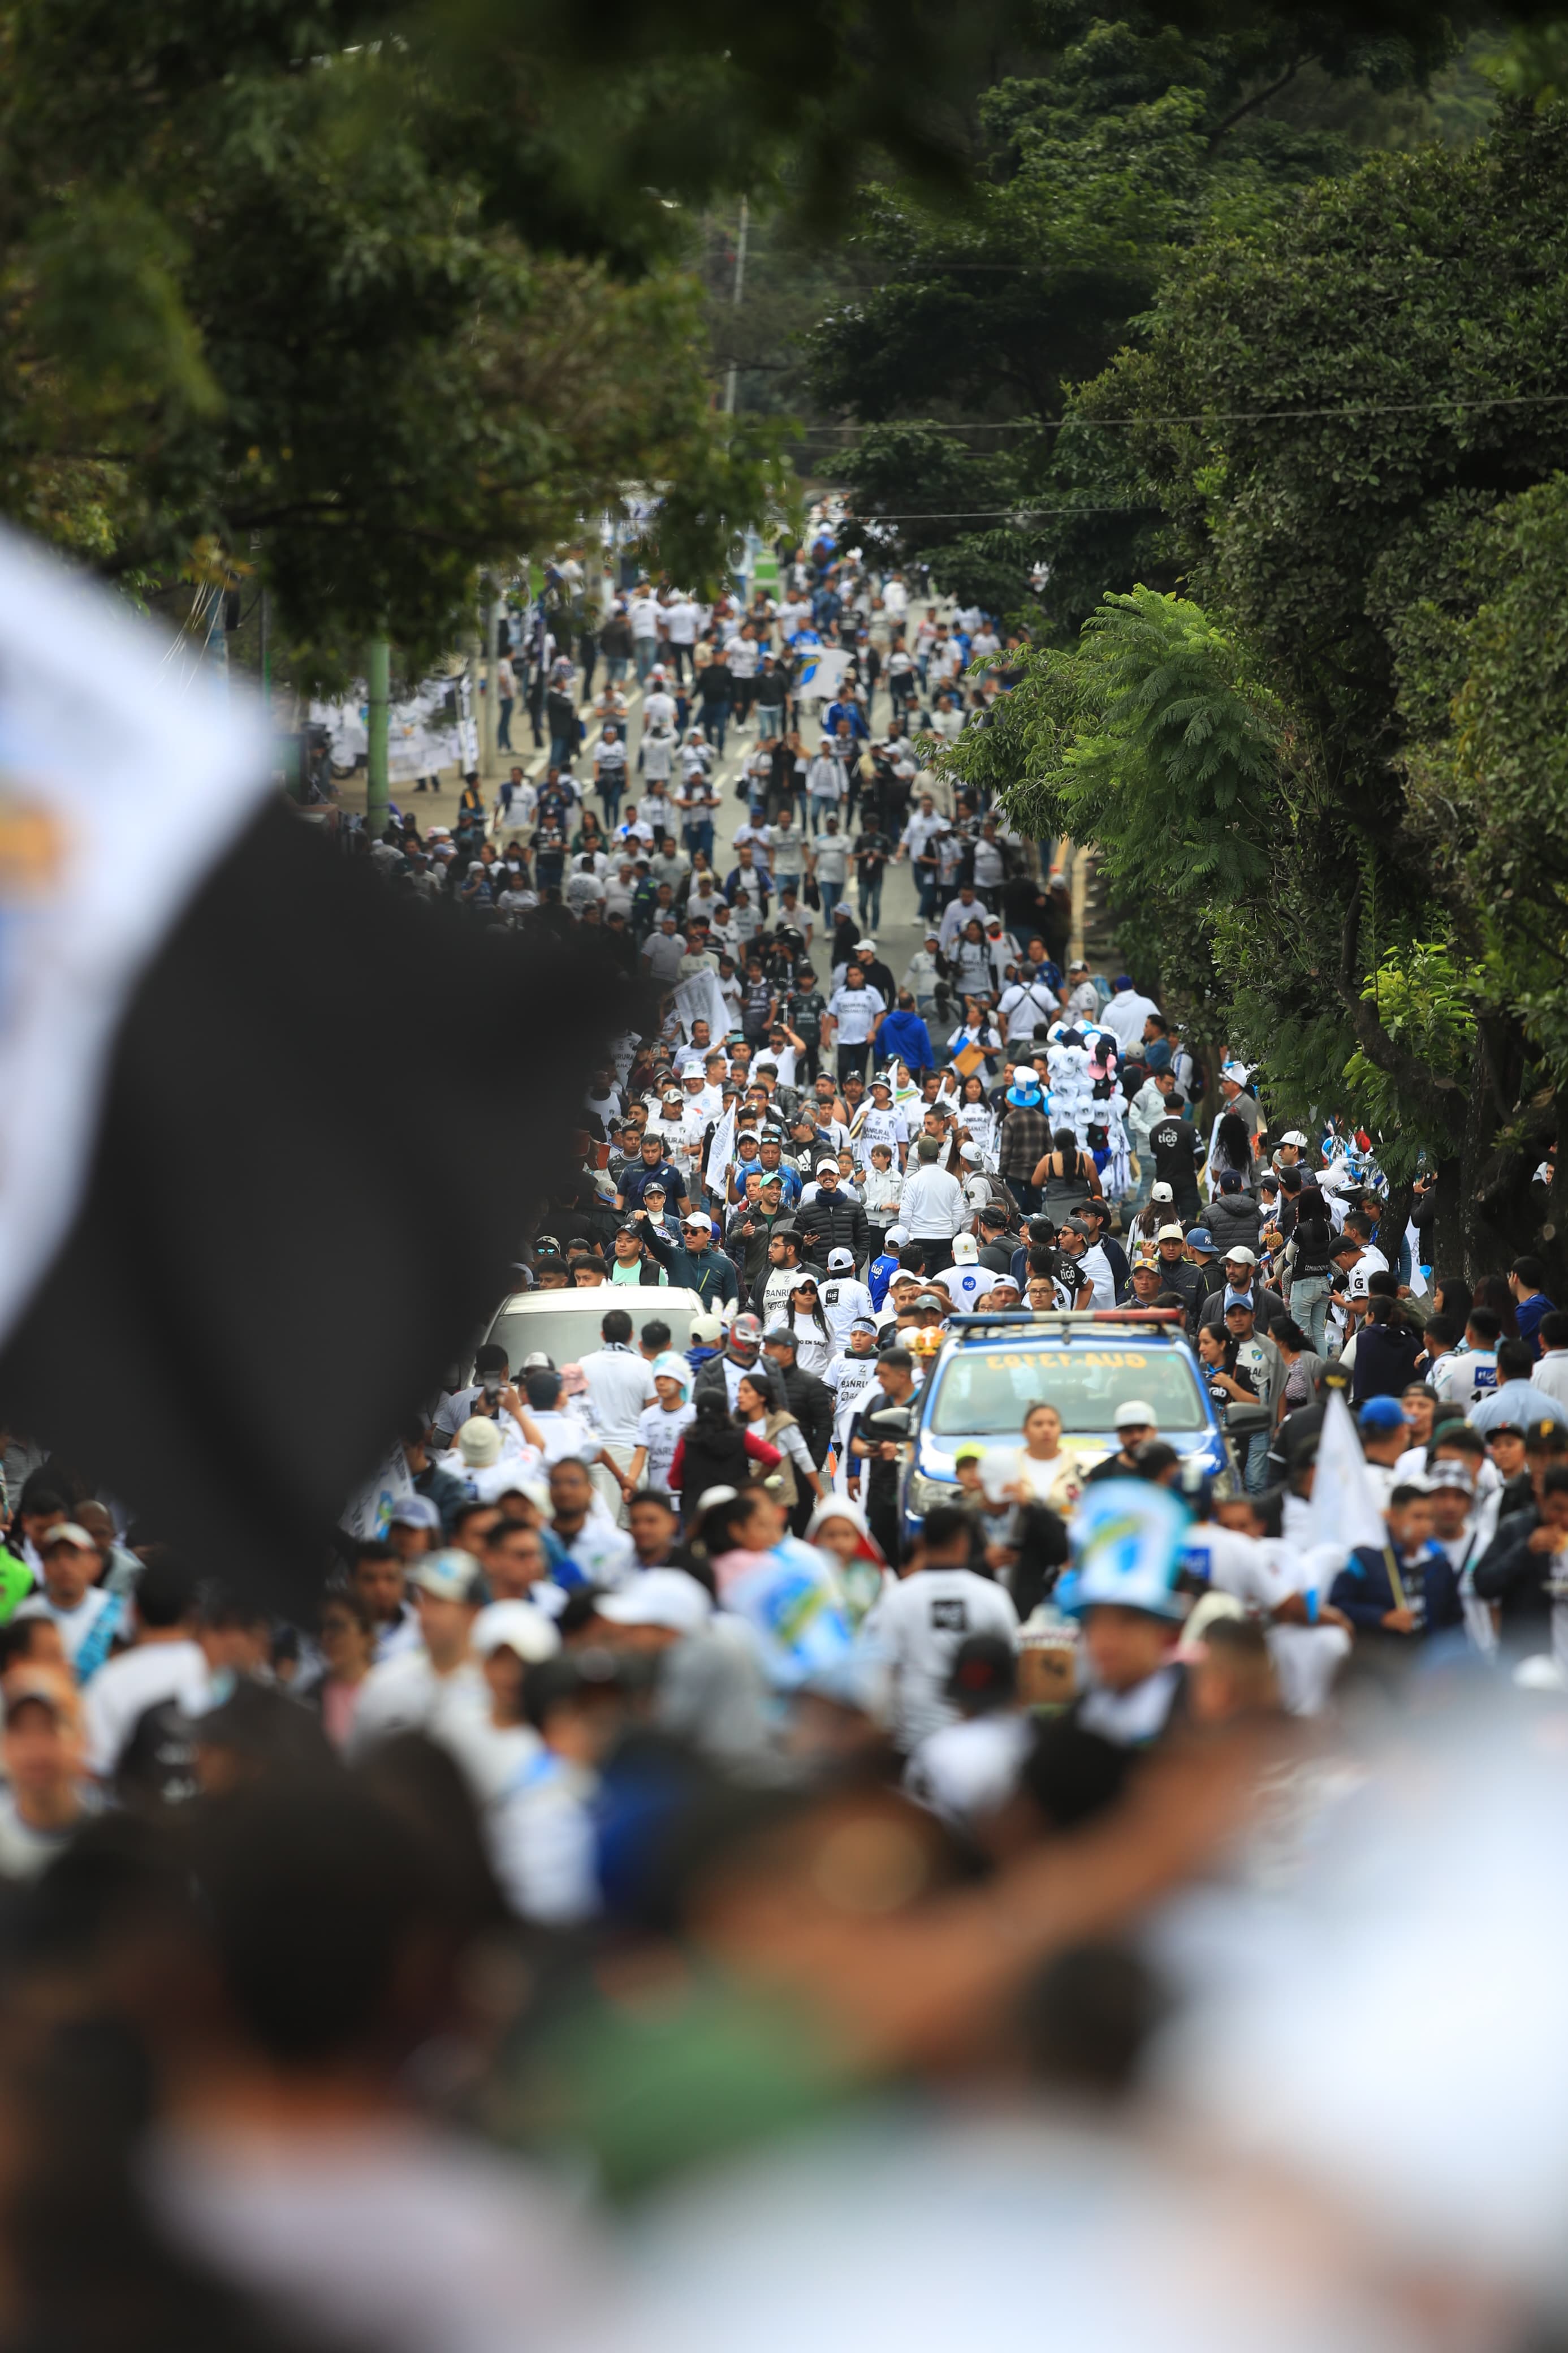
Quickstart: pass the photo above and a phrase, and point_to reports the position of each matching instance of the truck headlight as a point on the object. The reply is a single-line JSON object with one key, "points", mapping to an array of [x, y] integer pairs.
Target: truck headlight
{"points": [[925, 1494]]}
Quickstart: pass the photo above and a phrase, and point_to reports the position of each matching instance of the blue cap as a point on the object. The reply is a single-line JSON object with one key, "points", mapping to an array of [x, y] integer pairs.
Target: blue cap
{"points": [[1382, 1413], [1200, 1237]]}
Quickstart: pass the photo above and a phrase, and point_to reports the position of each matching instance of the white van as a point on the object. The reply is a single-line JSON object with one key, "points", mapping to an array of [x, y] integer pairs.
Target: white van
{"points": [[564, 1324]]}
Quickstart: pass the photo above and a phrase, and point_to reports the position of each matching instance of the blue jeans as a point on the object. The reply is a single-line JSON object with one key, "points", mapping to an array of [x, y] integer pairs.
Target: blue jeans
{"points": [[715, 719], [504, 726], [646, 649], [1255, 1463], [698, 838], [869, 898], [610, 794], [563, 750], [1310, 1309], [823, 806]]}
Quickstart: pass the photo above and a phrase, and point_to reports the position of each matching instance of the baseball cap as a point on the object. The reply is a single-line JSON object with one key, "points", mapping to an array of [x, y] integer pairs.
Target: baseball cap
{"points": [[519, 1625], [826, 1162], [414, 1512], [1241, 1256], [1295, 1136], [965, 1249], [537, 1361], [478, 1442], [705, 1330], [670, 1366], [660, 1597], [1175, 1234], [1382, 1413], [1135, 1415], [898, 1236], [838, 1259], [1004, 1282], [69, 1532], [449, 1575], [698, 1221], [1161, 1193]]}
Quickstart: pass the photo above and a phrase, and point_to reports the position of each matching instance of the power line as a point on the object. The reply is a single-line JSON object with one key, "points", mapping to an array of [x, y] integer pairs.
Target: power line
{"points": [[1456, 401]]}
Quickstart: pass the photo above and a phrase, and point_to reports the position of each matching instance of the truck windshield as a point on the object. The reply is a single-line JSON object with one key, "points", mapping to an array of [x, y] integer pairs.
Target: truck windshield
{"points": [[984, 1391]]}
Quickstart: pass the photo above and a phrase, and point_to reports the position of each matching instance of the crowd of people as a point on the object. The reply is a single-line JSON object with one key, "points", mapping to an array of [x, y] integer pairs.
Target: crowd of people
{"points": [[651, 1783]]}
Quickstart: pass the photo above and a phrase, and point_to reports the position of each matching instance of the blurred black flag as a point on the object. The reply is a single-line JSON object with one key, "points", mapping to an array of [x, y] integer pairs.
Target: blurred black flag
{"points": [[269, 1132], [324, 1114]]}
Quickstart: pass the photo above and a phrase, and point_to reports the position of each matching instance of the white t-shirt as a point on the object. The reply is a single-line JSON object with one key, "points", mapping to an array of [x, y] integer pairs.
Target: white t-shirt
{"points": [[660, 1433], [919, 1625], [620, 1383], [965, 1284], [843, 1298], [855, 1010], [643, 615], [1467, 1379], [125, 1688], [1024, 1005]]}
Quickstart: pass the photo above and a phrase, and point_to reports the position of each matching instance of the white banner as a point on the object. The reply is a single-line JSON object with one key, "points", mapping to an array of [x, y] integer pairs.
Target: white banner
{"points": [[1345, 1507], [721, 1153], [701, 999], [823, 675], [372, 1508]]}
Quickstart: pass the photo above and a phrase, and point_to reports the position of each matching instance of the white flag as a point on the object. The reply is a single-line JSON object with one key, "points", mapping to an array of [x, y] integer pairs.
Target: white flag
{"points": [[701, 999], [1344, 1509], [823, 674], [721, 1153]]}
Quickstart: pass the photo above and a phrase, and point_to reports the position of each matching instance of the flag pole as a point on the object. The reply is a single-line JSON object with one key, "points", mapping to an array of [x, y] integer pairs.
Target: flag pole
{"points": [[377, 794]]}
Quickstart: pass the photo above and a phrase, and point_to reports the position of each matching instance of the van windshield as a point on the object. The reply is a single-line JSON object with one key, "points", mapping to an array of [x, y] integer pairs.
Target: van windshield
{"points": [[984, 1391]]}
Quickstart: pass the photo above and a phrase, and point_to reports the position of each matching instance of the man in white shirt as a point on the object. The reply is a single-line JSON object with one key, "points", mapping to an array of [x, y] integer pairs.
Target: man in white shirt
{"points": [[621, 1386], [659, 703], [1079, 1243], [919, 1624], [681, 621], [1551, 1373], [966, 1281], [855, 1013], [166, 1663], [966, 908], [439, 1689], [642, 613], [845, 1300], [662, 954], [1023, 1007], [1127, 1012], [931, 1207]]}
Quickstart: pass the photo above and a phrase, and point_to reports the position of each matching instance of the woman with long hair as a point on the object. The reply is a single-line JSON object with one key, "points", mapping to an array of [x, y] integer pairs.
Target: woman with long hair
{"points": [[714, 1450], [814, 1345], [1068, 1174], [976, 1115], [1492, 1292], [760, 1416], [1231, 1154]]}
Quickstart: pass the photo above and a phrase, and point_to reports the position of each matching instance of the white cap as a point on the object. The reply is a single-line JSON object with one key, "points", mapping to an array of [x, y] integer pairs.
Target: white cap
{"points": [[839, 1258], [826, 1162], [1239, 1073], [478, 1442], [1241, 1256], [1295, 1137], [669, 1365], [1135, 1415], [519, 1626], [965, 1249], [897, 1236], [660, 1597], [1161, 1193]]}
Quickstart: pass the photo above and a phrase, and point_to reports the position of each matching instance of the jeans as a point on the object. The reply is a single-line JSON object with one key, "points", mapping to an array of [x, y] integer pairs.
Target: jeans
{"points": [[1255, 1463], [563, 750], [698, 838], [610, 794], [1310, 1309], [503, 724], [853, 1058], [645, 652], [823, 806], [715, 719], [614, 668], [869, 897]]}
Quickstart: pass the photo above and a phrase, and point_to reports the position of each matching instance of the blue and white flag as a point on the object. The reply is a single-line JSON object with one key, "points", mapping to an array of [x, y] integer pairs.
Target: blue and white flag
{"points": [[823, 674]]}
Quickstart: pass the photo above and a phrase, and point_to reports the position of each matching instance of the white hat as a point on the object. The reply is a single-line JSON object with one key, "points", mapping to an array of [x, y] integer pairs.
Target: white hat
{"points": [[669, 1365], [965, 1249], [970, 1151], [700, 1221], [519, 1626], [1135, 1415], [826, 1162], [865, 944], [1241, 1255], [1169, 1234], [897, 1236], [1005, 1282], [660, 1597], [705, 1330], [1161, 1193], [839, 1258], [478, 1442], [1238, 1072], [1295, 1137]]}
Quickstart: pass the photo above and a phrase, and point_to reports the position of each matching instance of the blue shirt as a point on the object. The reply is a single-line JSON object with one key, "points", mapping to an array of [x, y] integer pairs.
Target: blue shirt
{"points": [[879, 1274], [1519, 1403], [849, 711], [635, 1181], [905, 1036], [1529, 1315]]}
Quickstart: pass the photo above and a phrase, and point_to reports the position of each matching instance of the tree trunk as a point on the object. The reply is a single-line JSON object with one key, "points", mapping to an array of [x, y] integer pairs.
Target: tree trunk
{"points": [[1391, 1225], [1448, 1229]]}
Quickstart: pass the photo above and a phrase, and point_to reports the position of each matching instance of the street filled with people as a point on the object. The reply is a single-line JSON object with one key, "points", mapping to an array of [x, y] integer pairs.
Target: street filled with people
{"points": [[834, 1794]]}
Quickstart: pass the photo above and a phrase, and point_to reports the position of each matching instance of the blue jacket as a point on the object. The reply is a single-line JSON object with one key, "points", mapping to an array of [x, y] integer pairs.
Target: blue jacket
{"points": [[850, 710], [1363, 1589], [879, 1274], [706, 1272], [906, 1035]]}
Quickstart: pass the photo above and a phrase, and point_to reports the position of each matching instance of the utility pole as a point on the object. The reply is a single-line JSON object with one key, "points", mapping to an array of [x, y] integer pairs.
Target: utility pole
{"points": [[377, 794], [736, 300]]}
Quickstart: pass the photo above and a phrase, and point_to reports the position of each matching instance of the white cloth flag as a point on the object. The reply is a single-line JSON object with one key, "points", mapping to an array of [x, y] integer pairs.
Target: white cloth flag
{"points": [[721, 1153], [701, 999], [1345, 1508], [823, 674]]}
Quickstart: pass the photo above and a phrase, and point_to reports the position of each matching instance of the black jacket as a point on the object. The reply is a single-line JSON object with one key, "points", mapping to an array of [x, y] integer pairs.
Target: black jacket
{"points": [[832, 1222], [811, 1402]]}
